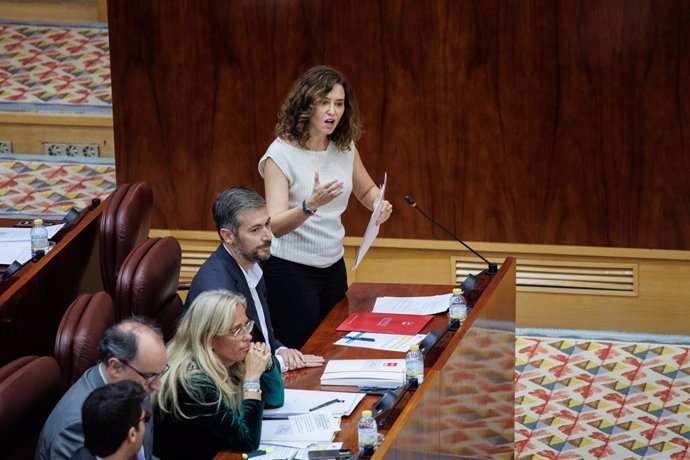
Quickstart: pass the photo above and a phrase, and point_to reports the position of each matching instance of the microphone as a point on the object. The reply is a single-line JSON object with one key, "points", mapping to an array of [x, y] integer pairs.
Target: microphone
{"points": [[493, 268], [16, 265], [72, 214], [73, 217], [471, 280]]}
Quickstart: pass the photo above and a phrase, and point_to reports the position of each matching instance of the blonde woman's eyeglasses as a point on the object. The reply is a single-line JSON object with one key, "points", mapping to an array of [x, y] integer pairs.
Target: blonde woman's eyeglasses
{"points": [[241, 329]]}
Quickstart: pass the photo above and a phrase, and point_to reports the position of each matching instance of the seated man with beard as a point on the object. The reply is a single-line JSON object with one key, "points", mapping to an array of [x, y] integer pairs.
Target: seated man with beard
{"points": [[244, 227]]}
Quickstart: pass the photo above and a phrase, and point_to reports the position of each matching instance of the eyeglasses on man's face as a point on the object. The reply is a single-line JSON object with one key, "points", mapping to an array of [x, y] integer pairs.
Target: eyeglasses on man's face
{"points": [[150, 377], [241, 329]]}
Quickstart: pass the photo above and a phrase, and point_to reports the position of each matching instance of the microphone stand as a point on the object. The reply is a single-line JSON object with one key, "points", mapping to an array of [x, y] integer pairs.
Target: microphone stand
{"points": [[73, 217], [474, 285], [384, 407]]}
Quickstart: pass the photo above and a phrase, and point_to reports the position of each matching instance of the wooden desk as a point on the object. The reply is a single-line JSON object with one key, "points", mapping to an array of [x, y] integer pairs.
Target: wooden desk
{"points": [[465, 407], [361, 297], [33, 301]]}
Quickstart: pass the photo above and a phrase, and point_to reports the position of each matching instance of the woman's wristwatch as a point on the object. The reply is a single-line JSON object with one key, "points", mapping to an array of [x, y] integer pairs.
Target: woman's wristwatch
{"points": [[251, 386], [307, 210]]}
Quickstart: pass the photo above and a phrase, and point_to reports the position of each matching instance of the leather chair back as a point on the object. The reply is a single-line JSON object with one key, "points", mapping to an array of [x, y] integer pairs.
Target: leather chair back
{"points": [[148, 281], [125, 223], [81, 329], [29, 388]]}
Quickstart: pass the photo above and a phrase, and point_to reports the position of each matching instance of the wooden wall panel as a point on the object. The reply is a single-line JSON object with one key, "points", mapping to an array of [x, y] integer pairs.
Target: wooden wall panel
{"points": [[552, 122]]}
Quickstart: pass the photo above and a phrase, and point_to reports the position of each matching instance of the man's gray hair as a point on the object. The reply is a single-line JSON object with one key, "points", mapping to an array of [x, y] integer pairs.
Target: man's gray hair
{"points": [[232, 202], [121, 340]]}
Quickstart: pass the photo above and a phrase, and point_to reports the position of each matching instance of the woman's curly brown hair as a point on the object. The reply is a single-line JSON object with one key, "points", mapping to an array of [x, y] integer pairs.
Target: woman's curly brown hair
{"points": [[299, 104]]}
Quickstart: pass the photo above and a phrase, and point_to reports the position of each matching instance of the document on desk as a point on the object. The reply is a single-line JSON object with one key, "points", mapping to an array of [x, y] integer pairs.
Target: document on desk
{"points": [[384, 323], [306, 424], [387, 342], [15, 243], [14, 250], [9, 234], [427, 305], [370, 372], [307, 428], [314, 401], [372, 230]]}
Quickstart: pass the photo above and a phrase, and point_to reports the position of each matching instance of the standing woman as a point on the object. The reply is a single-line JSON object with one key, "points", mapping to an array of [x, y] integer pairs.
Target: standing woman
{"points": [[213, 396], [309, 172]]}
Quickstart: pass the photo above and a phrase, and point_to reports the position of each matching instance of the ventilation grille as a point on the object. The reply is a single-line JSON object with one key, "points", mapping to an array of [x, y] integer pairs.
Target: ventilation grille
{"points": [[194, 254], [597, 278]]}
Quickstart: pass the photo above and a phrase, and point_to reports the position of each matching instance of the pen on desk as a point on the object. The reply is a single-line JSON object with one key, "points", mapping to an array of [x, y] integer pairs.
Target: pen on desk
{"points": [[256, 453], [363, 339], [327, 403]]}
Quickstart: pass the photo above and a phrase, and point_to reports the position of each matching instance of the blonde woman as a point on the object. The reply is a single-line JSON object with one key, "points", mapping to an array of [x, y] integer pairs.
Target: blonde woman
{"points": [[219, 382]]}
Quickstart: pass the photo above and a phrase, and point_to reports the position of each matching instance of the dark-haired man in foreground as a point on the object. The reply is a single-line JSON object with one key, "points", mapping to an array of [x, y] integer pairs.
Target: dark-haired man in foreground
{"points": [[130, 350], [114, 422]]}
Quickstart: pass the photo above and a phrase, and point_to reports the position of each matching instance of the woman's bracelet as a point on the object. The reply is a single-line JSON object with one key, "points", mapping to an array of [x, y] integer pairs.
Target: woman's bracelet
{"points": [[252, 386]]}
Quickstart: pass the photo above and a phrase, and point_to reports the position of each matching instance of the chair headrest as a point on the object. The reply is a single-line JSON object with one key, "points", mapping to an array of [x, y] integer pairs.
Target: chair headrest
{"points": [[125, 222], [28, 391], [81, 329], [148, 281]]}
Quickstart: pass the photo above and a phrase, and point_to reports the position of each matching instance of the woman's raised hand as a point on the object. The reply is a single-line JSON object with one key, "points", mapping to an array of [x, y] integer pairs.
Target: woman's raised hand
{"points": [[256, 361], [386, 211], [323, 194]]}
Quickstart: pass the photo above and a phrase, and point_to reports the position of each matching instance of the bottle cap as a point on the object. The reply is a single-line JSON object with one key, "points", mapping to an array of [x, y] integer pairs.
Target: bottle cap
{"points": [[414, 347], [366, 413], [38, 221], [457, 291]]}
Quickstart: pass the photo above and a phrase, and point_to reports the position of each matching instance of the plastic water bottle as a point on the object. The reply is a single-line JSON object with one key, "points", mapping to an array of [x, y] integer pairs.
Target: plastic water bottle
{"points": [[367, 434], [457, 308], [39, 237], [414, 364]]}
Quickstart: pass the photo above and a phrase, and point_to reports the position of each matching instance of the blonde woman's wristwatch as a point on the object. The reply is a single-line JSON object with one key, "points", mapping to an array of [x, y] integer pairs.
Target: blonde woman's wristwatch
{"points": [[251, 386]]}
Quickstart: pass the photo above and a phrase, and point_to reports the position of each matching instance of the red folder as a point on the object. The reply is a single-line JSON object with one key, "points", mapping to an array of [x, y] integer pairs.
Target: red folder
{"points": [[384, 323]]}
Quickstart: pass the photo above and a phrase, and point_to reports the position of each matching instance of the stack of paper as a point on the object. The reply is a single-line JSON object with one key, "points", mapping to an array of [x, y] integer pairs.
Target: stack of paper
{"points": [[371, 372], [427, 305], [313, 401], [388, 342], [315, 427], [15, 243]]}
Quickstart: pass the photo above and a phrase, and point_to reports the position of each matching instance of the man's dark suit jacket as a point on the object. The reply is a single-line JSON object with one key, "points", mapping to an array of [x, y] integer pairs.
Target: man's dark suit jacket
{"points": [[221, 271], [83, 454]]}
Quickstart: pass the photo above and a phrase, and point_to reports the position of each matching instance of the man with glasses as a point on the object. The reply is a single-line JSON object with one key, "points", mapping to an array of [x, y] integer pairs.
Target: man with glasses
{"points": [[244, 227], [130, 350], [114, 422]]}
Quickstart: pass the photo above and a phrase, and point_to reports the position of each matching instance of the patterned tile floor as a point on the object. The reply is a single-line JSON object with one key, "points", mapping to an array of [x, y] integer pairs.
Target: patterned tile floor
{"points": [[579, 399], [40, 185], [47, 67]]}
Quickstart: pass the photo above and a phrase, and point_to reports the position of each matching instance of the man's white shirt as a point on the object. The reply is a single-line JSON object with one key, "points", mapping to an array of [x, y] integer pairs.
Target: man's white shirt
{"points": [[253, 277]]}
